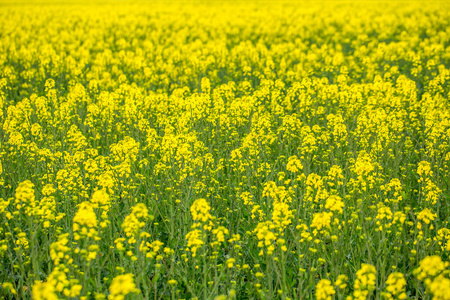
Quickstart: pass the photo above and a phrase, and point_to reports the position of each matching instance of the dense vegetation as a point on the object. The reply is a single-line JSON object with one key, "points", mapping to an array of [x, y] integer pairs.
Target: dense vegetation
{"points": [[238, 150]]}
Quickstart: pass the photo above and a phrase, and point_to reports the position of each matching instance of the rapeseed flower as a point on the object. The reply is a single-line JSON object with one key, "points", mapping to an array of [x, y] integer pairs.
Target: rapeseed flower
{"points": [[324, 290], [121, 286], [365, 281]]}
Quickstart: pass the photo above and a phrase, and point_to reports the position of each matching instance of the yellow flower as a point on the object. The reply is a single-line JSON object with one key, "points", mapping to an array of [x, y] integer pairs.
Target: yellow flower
{"points": [[266, 236], [230, 262], [200, 211], [365, 282], [85, 222], [121, 286], [220, 233], [430, 266], [395, 286], [59, 250], [440, 288], [335, 203], [282, 216], [57, 282], [125, 150], [100, 199], [426, 216], [25, 197], [424, 171], [172, 282], [194, 241], [321, 220], [443, 239], [324, 290], [341, 281], [44, 291], [9, 287], [294, 164], [136, 220]]}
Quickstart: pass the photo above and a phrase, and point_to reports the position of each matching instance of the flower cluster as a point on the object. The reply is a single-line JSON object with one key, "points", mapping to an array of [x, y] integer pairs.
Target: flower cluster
{"points": [[85, 222], [434, 273], [365, 282], [395, 286], [121, 286], [324, 290]]}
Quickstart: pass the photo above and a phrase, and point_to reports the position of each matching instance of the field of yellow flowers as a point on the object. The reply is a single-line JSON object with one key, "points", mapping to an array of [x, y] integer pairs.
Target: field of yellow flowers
{"points": [[224, 150]]}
